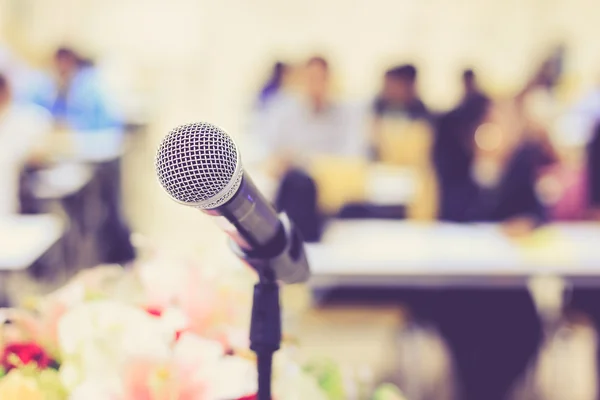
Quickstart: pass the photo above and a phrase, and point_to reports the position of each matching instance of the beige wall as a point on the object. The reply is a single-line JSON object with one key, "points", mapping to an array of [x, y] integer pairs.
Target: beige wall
{"points": [[210, 53]]}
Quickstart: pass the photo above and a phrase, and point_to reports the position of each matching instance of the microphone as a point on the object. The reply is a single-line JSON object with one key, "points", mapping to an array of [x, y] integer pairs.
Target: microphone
{"points": [[199, 165]]}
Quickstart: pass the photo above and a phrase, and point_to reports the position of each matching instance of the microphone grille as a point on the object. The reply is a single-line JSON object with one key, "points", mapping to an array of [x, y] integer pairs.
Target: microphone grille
{"points": [[199, 165]]}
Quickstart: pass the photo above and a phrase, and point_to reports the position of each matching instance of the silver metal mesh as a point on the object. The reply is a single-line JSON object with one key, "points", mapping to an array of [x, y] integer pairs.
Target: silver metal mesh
{"points": [[198, 164]]}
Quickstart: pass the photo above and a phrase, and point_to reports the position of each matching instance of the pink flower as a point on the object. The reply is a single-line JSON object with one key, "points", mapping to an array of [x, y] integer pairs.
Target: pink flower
{"points": [[199, 300], [154, 311], [154, 380]]}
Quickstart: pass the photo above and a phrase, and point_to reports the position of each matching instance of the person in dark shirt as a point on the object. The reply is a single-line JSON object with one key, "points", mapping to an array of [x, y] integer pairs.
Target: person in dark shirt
{"points": [[453, 157], [594, 172], [399, 96], [487, 161], [487, 169]]}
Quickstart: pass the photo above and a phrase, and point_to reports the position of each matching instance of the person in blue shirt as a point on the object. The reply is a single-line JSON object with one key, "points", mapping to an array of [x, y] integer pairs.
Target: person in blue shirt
{"points": [[74, 95]]}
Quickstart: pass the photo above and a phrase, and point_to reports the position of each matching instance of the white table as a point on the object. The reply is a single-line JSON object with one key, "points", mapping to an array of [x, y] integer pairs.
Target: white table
{"points": [[62, 180], [400, 253], [88, 147], [24, 239]]}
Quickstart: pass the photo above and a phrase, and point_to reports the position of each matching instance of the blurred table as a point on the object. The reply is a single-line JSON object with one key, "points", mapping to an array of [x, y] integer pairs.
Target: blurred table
{"points": [[409, 254], [86, 147], [61, 180], [81, 181], [25, 238]]}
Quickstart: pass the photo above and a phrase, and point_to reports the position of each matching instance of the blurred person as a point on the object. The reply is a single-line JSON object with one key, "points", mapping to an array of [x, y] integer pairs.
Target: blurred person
{"points": [[77, 99], [313, 122], [396, 109], [593, 154], [500, 155], [580, 127], [75, 96], [472, 91], [399, 96], [301, 127], [453, 157], [488, 159], [22, 127], [507, 160]]}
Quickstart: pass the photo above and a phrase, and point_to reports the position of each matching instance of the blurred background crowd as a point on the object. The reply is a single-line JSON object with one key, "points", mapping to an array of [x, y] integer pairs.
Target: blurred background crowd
{"points": [[423, 111]]}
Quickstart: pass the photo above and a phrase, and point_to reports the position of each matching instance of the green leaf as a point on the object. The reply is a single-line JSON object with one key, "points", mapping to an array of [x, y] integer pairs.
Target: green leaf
{"points": [[329, 378], [387, 391]]}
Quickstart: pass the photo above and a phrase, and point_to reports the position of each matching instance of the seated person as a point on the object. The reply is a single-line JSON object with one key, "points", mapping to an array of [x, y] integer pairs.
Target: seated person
{"points": [[495, 182], [399, 101], [75, 96], [594, 172], [453, 156], [402, 137], [21, 129], [300, 128], [487, 167], [505, 169]]}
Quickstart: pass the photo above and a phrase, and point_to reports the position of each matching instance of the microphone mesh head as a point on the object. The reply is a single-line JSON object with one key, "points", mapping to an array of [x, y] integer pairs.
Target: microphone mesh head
{"points": [[199, 165]]}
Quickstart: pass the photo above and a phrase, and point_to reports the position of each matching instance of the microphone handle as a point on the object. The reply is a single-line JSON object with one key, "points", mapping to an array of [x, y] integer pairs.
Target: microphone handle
{"points": [[250, 220]]}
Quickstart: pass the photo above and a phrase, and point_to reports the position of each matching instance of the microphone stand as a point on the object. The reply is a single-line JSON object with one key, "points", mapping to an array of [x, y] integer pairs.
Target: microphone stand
{"points": [[265, 330], [289, 266]]}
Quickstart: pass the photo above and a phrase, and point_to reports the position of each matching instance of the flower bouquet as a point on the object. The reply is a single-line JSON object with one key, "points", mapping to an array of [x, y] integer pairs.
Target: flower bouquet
{"points": [[148, 332]]}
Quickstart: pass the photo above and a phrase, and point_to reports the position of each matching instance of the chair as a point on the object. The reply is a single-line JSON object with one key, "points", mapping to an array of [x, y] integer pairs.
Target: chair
{"points": [[340, 180], [409, 144]]}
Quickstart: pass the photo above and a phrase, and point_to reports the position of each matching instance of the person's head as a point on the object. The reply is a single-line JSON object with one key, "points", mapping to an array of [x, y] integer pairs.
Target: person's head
{"points": [[317, 78], [4, 90], [469, 81], [66, 62], [400, 84]]}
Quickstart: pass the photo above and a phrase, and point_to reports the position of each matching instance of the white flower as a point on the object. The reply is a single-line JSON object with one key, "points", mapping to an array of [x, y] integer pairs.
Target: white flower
{"points": [[233, 378], [229, 377], [93, 389], [97, 338]]}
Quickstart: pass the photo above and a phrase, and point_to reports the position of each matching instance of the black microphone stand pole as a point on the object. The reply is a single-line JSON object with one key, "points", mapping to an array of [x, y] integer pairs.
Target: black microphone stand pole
{"points": [[265, 330], [289, 266]]}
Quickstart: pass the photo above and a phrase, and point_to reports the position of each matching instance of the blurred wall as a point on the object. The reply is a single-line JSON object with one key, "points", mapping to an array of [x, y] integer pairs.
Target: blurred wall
{"points": [[205, 58]]}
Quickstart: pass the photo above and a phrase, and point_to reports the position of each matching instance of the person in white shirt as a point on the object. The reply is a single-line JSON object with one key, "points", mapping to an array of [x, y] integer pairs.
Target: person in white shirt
{"points": [[298, 129], [312, 123], [22, 127]]}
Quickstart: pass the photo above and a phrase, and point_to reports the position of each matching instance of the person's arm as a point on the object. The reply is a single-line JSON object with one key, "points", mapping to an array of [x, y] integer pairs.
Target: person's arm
{"points": [[525, 211]]}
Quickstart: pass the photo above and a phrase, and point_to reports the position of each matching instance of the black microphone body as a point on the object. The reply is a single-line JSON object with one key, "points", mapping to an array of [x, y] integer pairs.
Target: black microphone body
{"points": [[262, 238], [257, 226]]}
